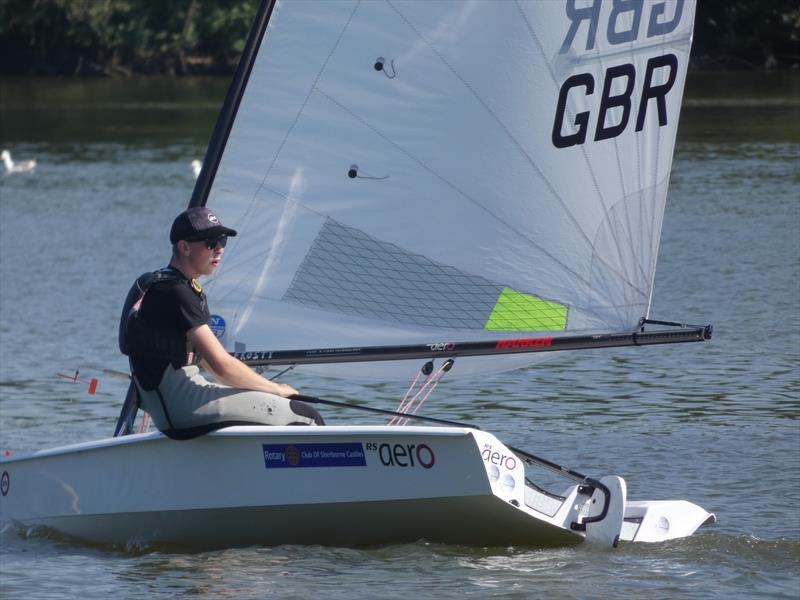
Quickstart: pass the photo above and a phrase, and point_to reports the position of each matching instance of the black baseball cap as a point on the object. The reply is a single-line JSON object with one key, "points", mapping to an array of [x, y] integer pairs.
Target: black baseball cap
{"points": [[197, 223]]}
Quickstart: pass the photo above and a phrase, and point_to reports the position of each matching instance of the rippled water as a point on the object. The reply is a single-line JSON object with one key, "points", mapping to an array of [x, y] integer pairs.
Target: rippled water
{"points": [[715, 423]]}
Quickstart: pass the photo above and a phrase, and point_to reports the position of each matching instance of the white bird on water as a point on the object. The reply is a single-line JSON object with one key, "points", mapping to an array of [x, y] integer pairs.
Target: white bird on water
{"points": [[23, 166], [196, 166]]}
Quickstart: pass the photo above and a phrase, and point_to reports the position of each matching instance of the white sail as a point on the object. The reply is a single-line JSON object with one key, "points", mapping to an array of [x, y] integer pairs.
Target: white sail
{"points": [[404, 172]]}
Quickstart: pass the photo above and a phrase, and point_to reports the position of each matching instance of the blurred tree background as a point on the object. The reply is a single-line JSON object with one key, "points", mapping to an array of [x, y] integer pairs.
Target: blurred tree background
{"points": [[123, 37], [190, 37]]}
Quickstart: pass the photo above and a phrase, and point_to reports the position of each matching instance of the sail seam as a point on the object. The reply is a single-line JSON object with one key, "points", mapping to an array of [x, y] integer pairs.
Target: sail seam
{"points": [[655, 232], [618, 245], [624, 204], [302, 106], [548, 184], [262, 183], [589, 167], [453, 186], [310, 91]]}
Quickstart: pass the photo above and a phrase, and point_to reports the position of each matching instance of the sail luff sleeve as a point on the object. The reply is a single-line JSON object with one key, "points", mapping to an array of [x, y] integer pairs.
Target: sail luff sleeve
{"points": [[233, 98]]}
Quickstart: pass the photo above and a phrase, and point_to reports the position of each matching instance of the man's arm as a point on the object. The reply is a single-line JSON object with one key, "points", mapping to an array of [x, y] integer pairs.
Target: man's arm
{"points": [[231, 371]]}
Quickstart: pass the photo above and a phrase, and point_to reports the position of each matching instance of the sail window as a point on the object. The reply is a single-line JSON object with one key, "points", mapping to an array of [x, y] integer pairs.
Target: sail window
{"points": [[515, 311], [350, 272]]}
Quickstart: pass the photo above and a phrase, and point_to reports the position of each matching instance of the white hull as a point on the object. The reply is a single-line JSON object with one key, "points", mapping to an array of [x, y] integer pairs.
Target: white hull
{"points": [[265, 485]]}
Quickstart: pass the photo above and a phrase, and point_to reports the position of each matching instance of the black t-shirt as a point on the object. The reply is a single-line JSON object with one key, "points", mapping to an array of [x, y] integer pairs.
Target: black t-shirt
{"points": [[171, 306]]}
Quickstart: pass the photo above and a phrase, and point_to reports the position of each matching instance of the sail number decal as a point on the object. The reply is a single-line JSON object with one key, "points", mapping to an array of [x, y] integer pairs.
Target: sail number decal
{"points": [[626, 23]]}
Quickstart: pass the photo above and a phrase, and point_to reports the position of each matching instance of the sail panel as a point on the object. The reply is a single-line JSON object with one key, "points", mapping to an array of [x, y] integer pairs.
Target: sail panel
{"points": [[515, 311], [504, 170]]}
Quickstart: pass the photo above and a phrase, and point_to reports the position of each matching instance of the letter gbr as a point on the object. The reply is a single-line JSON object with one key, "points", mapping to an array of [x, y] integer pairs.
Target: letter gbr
{"points": [[610, 101]]}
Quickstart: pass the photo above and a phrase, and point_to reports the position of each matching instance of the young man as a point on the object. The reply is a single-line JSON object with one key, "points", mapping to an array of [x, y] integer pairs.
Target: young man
{"points": [[169, 335]]}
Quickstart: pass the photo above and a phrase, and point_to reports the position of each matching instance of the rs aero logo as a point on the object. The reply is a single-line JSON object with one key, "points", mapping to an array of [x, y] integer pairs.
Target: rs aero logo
{"points": [[493, 457], [441, 346], [403, 455]]}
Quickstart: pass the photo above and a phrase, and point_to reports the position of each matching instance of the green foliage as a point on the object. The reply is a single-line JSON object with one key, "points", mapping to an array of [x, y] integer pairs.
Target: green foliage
{"points": [[746, 33], [123, 37], [120, 37]]}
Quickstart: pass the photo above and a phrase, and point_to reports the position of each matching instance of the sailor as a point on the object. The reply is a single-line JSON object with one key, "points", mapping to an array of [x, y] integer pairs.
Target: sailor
{"points": [[165, 331]]}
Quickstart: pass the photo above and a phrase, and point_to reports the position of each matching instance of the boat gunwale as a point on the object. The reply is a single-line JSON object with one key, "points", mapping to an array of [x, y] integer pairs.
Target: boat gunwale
{"points": [[242, 431]]}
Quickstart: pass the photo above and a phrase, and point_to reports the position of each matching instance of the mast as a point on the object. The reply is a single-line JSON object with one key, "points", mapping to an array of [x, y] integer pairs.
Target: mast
{"points": [[222, 129]]}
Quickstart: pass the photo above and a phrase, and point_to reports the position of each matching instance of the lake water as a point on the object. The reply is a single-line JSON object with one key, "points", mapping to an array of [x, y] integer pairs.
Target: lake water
{"points": [[715, 423]]}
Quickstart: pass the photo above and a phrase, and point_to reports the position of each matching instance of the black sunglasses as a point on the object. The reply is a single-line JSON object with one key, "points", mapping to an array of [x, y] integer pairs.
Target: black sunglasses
{"points": [[212, 243]]}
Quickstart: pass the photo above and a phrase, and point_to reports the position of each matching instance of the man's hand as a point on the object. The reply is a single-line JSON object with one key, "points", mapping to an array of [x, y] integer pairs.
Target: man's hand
{"points": [[286, 391]]}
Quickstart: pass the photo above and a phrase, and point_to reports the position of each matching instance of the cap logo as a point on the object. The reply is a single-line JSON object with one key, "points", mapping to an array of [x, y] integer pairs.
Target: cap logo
{"points": [[213, 218]]}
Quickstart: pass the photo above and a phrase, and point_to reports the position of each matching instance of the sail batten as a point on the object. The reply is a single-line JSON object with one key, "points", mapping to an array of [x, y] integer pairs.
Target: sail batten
{"points": [[400, 171]]}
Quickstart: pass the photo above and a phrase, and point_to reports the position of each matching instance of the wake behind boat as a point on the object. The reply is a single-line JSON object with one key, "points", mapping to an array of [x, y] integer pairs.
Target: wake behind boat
{"points": [[468, 184]]}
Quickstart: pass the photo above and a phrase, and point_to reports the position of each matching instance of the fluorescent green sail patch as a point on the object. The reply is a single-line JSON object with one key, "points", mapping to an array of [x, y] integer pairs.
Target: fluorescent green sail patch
{"points": [[515, 311]]}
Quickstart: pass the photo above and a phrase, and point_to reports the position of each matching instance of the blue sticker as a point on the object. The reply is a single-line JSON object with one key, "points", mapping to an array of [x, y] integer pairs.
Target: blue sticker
{"points": [[217, 326], [289, 456]]}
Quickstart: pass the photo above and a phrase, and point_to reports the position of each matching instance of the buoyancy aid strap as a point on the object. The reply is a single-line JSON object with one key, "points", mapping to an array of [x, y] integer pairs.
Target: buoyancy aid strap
{"points": [[137, 337], [133, 300]]}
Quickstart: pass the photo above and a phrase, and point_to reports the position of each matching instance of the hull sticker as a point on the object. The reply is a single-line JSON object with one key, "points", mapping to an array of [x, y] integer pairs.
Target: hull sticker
{"points": [[293, 456], [217, 324], [403, 454]]}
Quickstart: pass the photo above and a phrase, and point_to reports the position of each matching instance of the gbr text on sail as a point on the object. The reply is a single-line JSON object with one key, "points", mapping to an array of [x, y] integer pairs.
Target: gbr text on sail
{"points": [[609, 102]]}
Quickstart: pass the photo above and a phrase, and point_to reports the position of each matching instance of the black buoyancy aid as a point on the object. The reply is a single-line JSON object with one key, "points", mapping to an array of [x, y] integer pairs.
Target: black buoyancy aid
{"points": [[137, 337]]}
